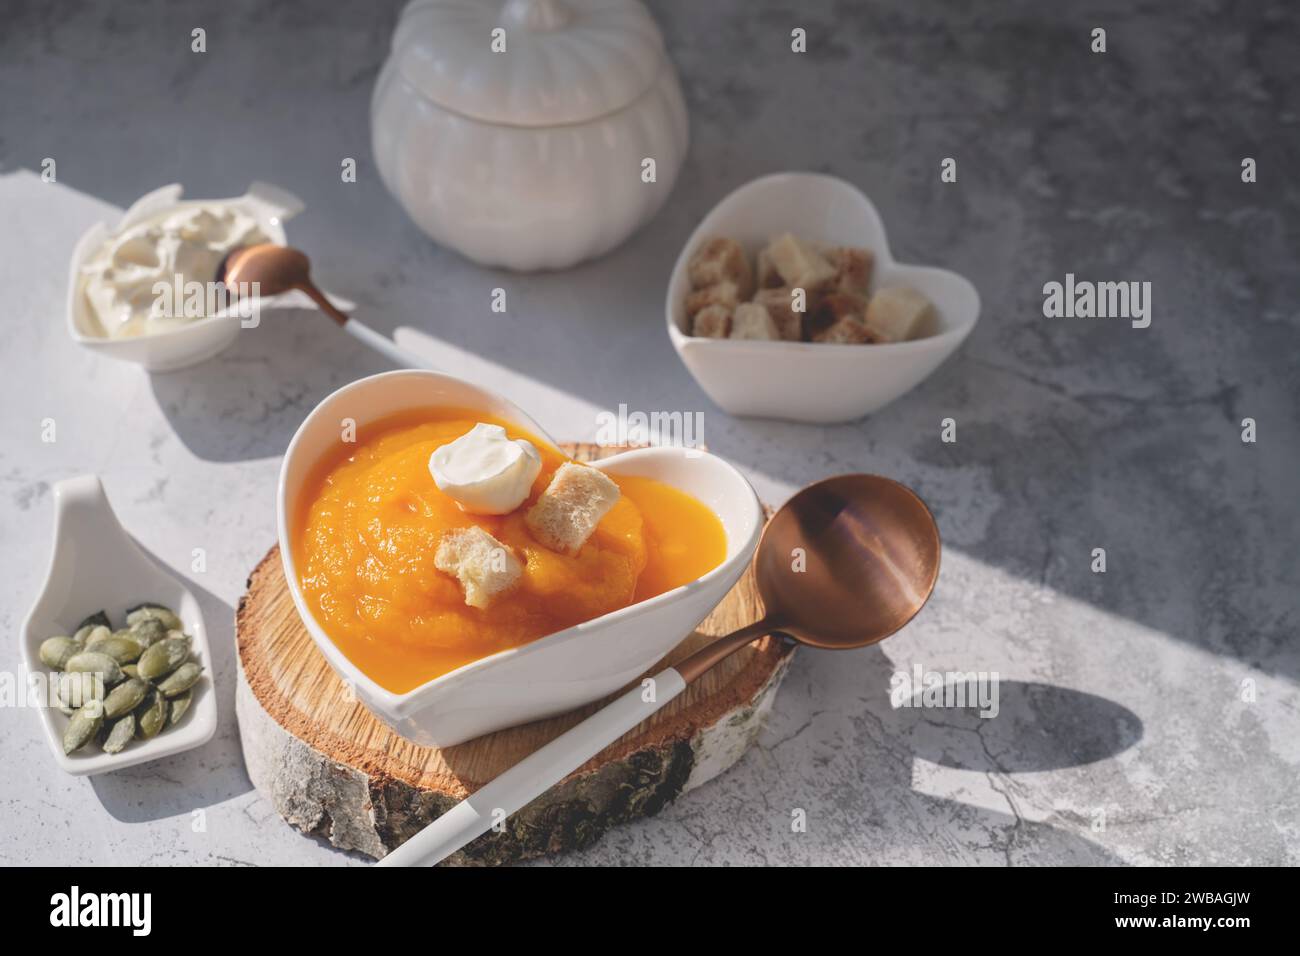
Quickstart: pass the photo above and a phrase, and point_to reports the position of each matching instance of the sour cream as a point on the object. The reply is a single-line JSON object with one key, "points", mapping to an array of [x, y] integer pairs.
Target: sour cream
{"points": [[484, 471], [119, 279]]}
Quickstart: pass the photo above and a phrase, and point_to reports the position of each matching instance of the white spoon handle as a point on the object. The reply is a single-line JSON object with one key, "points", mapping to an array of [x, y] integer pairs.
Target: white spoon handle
{"points": [[383, 345], [535, 774]]}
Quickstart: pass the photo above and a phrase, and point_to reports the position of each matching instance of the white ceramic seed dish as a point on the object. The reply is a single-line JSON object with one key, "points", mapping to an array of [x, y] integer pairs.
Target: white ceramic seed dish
{"points": [[196, 341], [555, 673], [95, 565], [813, 381]]}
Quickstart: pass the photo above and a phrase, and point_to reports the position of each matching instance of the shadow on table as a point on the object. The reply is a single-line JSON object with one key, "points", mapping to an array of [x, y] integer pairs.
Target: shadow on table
{"points": [[1037, 479], [1037, 727], [201, 777], [247, 402], [850, 758]]}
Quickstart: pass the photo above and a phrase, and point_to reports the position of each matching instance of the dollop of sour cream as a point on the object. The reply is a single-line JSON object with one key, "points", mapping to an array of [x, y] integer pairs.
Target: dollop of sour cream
{"points": [[484, 471], [188, 241]]}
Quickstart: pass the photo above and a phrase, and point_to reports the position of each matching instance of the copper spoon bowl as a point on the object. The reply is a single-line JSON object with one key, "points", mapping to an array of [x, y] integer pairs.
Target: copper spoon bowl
{"points": [[844, 563], [278, 269]]}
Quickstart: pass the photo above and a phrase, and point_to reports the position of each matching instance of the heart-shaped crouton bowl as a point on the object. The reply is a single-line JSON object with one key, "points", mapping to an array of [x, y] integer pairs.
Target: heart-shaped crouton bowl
{"points": [[552, 674], [814, 381]]}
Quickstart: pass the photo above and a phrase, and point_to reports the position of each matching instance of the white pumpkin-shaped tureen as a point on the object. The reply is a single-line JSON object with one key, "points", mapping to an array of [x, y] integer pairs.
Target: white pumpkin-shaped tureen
{"points": [[530, 134]]}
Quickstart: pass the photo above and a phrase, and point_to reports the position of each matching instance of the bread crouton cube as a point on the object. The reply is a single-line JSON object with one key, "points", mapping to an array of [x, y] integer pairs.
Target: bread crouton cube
{"points": [[839, 305], [833, 307], [767, 277], [721, 260], [484, 566], [779, 304], [853, 268], [800, 264], [900, 313], [568, 511], [846, 331], [712, 322], [751, 321], [726, 294]]}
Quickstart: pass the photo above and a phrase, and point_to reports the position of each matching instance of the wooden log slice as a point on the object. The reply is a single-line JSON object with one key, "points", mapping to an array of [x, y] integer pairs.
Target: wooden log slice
{"points": [[332, 769]]}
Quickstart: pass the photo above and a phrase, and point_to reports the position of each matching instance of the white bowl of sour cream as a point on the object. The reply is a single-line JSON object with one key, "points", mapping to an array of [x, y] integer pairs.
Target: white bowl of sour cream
{"points": [[144, 291]]}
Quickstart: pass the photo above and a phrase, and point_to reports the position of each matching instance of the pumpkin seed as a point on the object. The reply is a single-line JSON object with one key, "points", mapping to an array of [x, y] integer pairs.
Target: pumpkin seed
{"points": [[162, 658], [181, 679], [59, 692], [144, 611], [93, 662], [125, 697], [124, 650], [148, 632], [55, 651], [151, 716], [180, 703], [84, 724], [120, 735], [77, 690], [151, 647], [98, 619]]}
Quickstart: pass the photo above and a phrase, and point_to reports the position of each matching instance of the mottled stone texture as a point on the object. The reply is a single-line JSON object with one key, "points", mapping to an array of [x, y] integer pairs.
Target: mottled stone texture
{"points": [[1146, 715]]}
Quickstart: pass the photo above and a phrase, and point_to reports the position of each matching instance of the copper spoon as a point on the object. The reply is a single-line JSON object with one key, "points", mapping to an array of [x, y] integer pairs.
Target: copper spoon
{"points": [[278, 269], [845, 563]]}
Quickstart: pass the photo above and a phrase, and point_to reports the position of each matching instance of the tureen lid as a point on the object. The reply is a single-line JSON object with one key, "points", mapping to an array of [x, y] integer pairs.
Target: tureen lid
{"points": [[528, 62]]}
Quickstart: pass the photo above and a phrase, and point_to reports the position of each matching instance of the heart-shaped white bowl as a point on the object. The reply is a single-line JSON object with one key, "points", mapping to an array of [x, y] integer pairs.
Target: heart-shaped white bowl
{"points": [[95, 565], [560, 671], [195, 341], [813, 381]]}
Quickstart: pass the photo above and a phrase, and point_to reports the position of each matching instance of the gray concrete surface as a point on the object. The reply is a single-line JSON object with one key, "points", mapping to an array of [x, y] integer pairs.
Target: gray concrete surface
{"points": [[1147, 715]]}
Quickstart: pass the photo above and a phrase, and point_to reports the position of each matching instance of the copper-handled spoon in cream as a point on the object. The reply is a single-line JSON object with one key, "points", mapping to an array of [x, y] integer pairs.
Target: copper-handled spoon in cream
{"points": [[844, 563], [278, 269]]}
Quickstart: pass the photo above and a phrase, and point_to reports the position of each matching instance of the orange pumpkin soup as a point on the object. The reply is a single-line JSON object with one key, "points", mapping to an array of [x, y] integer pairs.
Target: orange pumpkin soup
{"points": [[371, 521]]}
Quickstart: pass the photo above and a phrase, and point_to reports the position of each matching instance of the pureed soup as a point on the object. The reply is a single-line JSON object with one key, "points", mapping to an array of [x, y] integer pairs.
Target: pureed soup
{"points": [[371, 522]]}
